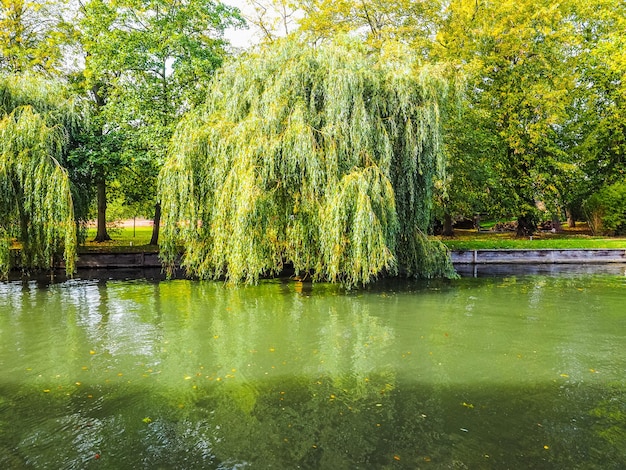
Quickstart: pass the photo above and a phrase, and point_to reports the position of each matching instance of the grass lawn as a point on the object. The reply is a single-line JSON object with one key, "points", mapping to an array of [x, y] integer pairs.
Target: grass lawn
{"points": [[124, 239], [571, 238]]}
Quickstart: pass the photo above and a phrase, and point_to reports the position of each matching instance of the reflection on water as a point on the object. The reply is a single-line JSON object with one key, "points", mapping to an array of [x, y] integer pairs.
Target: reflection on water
{"points": [[507, 372]]}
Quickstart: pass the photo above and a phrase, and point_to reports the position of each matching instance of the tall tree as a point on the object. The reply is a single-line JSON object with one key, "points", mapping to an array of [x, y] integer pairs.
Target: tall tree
{"points": [[518, 57], [320, 157], [144, 61]]}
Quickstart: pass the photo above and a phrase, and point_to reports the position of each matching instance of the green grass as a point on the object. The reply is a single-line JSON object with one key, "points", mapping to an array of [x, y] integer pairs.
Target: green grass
{"points": [[124, 239], [578, 238]]}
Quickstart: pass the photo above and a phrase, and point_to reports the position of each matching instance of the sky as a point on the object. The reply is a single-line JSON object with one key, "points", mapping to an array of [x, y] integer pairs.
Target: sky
{"points": [[240, 38]]}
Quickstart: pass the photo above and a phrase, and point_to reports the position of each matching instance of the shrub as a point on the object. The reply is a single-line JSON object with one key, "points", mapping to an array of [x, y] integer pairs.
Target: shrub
{"points": [[606, 210]]}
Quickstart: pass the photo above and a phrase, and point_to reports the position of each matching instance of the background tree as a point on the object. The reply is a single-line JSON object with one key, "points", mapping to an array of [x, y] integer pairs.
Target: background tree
{"points": [[320, 157], [32, 36], [518, 58], [379, 22], [144, 61], [597, 127]]}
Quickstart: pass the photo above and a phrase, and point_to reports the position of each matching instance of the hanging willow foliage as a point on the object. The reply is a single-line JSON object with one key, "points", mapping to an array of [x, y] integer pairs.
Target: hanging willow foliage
{"points": [[320, 157], [48, 98], [36, 208]]}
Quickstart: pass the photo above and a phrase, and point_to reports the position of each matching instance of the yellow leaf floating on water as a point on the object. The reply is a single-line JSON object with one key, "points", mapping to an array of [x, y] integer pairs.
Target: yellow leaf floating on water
{"points": [[147, 420], [564, 375], [92, 352], [467, 405], [396, 457], [47, 390]]}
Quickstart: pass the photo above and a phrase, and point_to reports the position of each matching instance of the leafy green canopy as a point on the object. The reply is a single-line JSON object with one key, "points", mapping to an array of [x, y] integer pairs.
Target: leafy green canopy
{"points": [[320, 157], [36, 206]]}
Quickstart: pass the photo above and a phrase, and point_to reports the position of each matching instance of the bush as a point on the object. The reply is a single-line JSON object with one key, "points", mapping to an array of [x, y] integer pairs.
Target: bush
{"points": [[606, 210]]}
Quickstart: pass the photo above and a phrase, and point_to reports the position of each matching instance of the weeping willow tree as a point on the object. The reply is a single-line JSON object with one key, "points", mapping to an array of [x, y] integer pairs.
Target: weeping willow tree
{"points": [[36, 208], [319, 157]]}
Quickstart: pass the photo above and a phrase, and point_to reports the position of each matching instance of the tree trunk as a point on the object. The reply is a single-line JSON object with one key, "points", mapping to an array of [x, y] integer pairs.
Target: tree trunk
{"points": [[571, 222], [448, 231], [556, 223], [526, 225], [157, 224], [102, 234]]}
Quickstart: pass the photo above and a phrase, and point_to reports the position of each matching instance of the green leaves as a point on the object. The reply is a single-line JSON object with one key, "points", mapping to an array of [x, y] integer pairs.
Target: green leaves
{"points": [[35, 199], [319, 157]]}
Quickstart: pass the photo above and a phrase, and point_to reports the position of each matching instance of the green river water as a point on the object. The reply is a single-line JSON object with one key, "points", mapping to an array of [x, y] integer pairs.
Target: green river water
{"points": [[506, 372]]}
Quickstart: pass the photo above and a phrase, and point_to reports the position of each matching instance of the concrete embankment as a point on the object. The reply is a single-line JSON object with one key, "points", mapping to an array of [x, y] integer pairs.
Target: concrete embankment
{"points": [[542, 256], [118, 260], [466, 257]]}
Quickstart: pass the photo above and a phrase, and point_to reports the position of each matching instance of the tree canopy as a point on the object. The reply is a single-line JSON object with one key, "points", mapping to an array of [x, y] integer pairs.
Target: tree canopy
{"points": [[320, 157]]}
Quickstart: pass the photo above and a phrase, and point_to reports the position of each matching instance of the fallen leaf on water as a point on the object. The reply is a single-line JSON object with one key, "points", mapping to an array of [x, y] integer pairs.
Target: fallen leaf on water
{"points": [[396, 457], [564, 375], [467, 405], [147, 420]]}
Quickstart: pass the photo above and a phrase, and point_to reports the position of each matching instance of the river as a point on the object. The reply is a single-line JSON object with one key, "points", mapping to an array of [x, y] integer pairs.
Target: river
{"points": [[507, 371]]}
